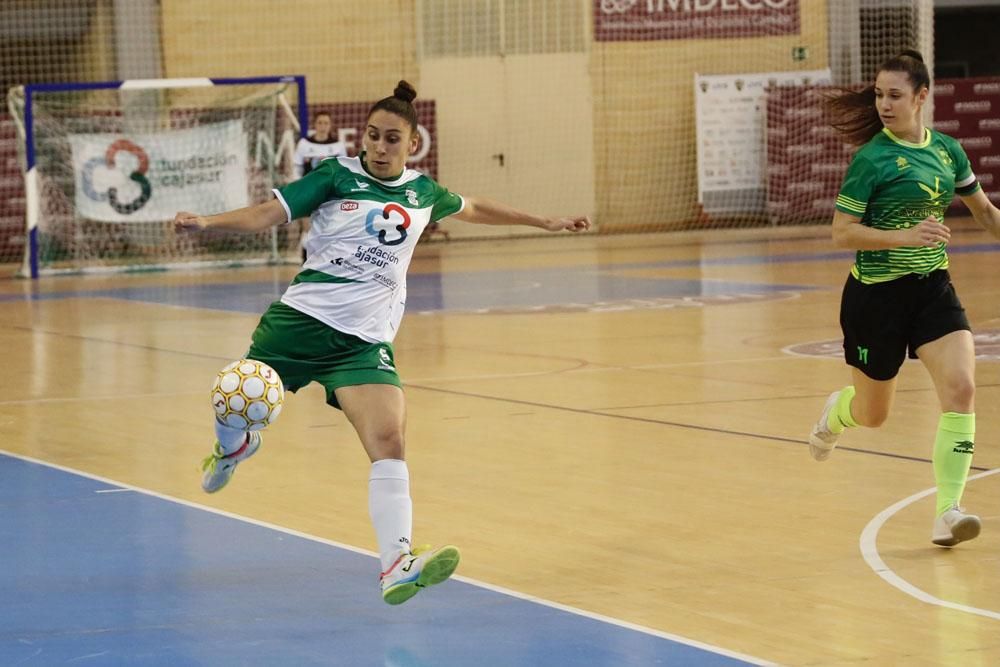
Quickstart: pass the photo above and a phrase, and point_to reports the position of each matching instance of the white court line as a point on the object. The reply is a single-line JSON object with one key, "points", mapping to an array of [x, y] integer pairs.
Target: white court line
{"points": [[340, 545], [869, 550], [84, 399]]}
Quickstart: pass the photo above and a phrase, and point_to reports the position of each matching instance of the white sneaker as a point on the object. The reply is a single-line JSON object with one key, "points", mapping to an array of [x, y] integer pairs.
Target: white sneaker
{"points": [[822, 440], [219, 467], [416, 570], [955, 526]]}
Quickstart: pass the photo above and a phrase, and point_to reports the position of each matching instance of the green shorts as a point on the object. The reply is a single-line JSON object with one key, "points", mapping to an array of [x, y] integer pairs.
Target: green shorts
{"points": [[302, 350]]}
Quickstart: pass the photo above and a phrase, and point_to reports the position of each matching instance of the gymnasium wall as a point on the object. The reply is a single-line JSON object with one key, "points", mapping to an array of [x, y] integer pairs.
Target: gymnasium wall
{"points": [[348, 51], [599, 127], [630, 104], [644, 112]]}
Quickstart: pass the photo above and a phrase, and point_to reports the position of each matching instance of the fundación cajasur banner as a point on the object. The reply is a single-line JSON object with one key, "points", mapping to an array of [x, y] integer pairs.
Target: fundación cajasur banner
{"points": [[149, 177]]}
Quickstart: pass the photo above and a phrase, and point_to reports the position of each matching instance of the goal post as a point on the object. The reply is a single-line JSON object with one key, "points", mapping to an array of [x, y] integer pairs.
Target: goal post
{"points": [[107, 164]]}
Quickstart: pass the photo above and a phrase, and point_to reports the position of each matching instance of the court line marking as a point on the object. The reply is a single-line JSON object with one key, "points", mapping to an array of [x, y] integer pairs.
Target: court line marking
{"points": [[596, 368], [596, 412], [869, 550], [606, 412], [718, 650]]}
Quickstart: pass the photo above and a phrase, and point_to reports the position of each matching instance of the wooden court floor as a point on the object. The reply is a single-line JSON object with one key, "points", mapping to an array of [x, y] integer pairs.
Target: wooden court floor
{"points": [[616, 424]]}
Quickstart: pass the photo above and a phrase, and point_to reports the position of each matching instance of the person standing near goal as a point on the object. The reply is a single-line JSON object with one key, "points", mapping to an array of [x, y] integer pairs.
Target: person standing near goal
{"points": [[899, 297], [336, 322], [312, 149]]}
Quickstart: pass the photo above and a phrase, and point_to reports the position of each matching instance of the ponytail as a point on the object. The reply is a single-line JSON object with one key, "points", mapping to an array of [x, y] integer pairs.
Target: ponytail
{"points": [[854, 114]]}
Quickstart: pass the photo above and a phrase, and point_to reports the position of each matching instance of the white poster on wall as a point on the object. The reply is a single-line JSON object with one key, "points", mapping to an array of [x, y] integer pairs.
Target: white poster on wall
{"points": [[729, 123], [149, 177]]}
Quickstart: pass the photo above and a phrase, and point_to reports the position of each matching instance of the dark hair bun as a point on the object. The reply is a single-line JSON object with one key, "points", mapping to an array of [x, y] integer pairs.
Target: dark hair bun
{"points": [[405, 91], [912, 54]]}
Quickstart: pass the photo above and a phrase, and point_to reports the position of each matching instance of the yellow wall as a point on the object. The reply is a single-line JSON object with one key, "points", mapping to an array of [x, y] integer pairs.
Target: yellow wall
{"points": [[644, 114], [536, 111], [97, 55], [641, 143], [349, 51]]}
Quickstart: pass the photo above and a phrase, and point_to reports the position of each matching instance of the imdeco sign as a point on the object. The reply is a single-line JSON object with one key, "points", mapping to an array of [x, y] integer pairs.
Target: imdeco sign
{"points": [[639, 20]]}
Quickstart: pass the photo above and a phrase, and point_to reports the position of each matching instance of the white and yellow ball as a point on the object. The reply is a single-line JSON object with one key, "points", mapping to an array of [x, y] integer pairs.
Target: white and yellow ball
{"points": [[247, 395]]}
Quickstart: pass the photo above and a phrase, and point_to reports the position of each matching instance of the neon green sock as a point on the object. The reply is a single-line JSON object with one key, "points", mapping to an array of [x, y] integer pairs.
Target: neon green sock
{"points": [[953, 449], [840, 417]]}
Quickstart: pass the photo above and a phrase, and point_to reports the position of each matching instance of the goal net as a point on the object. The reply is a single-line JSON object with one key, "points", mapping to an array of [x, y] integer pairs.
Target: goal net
{"points": [[647, 114], [560, 107], [108, 164]]}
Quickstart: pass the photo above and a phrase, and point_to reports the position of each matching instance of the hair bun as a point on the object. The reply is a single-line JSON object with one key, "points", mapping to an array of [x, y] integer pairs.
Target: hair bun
{"points": [[405, 91], [912, 54]]}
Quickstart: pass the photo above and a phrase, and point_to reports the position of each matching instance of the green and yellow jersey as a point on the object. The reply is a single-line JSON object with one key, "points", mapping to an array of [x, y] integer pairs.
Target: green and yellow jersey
{"points": [[896, 184], [364, 230]]}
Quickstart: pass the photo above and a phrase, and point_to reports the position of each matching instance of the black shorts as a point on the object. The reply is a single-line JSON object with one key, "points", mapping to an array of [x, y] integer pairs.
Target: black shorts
{"points": [[885, 321]]}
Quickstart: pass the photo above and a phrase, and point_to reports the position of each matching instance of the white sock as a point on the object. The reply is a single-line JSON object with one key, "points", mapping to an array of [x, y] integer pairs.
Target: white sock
{"points": [[390, 508], [230, 439]]}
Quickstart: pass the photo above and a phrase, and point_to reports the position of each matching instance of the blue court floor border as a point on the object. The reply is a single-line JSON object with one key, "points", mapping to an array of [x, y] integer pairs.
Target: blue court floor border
{"points": [[96, 573], [500, 289], [461, 291]]}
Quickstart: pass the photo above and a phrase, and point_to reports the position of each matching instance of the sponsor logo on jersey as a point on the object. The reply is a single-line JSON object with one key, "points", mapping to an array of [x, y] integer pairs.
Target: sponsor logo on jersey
{"points": [[385, 280], [348, 264], [376, 256], [386, 360], [934, 194], [348, 206], [392, 214]]}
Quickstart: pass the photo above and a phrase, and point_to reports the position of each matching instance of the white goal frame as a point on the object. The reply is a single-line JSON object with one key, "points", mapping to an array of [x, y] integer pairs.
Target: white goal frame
{"points": [[30, 267]]}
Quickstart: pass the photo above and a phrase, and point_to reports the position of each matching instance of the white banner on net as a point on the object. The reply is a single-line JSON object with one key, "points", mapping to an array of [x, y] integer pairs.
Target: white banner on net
{"points": [[730, 126], [149, 177]]}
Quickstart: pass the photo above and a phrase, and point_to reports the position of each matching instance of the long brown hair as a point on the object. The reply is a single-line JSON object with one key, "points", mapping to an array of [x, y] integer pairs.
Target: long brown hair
{"points": [[853, 112]]}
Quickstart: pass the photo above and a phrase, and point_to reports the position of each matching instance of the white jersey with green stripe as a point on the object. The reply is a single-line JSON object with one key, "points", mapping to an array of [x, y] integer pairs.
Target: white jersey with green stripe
{"points": [[364, 230], [896, 184]]}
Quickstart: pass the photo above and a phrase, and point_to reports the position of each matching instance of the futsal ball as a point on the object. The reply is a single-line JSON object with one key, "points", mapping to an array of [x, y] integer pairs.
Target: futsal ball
{"points": [[247, 395]]}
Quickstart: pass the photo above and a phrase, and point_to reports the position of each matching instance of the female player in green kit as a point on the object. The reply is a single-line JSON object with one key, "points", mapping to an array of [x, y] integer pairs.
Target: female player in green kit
{"points": [[898, 297], [336, 322]]}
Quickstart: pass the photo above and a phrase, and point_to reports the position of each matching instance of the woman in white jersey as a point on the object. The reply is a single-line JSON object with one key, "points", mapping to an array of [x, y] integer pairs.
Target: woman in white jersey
{"points": [[899, 298], [309, 152], [336, 322]]}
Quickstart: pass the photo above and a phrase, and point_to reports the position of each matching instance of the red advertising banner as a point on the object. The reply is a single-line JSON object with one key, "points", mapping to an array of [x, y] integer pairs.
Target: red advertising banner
{"points": [[969, 110], [642, 20], [12, 223], [806, 159]]}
